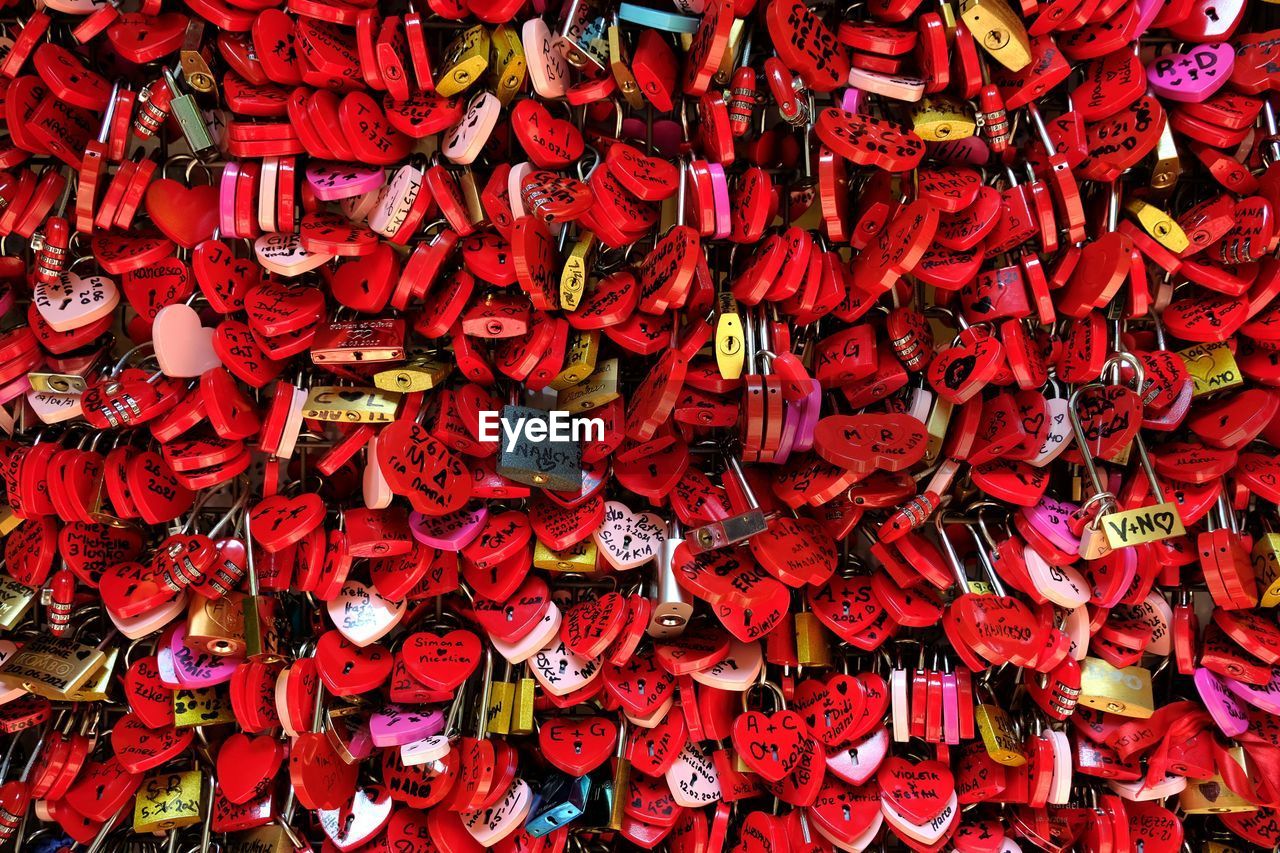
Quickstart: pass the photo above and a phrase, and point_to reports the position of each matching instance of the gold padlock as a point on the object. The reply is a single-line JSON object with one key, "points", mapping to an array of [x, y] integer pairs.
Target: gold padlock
{"points": [[580, 359], [1168, 165], [1266, 569], [509, 63], [730, 346], [168, 800], [1126, 692], [201, 706], [1212, 796], [1212, 367], [15, 600], [1162, 227], [502, 696], [420, 374], [350, 404], [813, 646], [579, 558], [522, 703], [620, 64], [598, 389], [999, 735], [52, 667], [999, 31], [465, 60], [573, 278], [471, 196], [938, 118], [96, 687], [217, 626]]}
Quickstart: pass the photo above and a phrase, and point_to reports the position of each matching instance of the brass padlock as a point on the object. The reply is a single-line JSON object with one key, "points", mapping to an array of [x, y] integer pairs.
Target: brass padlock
{"points": [[999, 734], [813, 646], [1266, 569], [1212, 796], [217, 627], [583, 40], [201, 706], [730, 345], [598, 389], [15, 598], [1162, 227], [465, 60], [420, 374], [168, 800], [620, 64], [1212, 367], [96, 687], [999, 31], [579, 359], [350, 404], [1168, 165], [579, 557], [52, 667], [535, 452], [502, 694], [938, 118], [522, 703], [1126, 692], [509, 63], [573, 277]]}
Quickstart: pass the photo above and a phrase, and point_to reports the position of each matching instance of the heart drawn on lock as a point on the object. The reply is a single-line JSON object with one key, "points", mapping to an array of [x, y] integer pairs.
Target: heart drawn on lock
{"points": [[186, 215], [843, 809], [772, 745], [148, 698], [578, 745], [247, 766], [73, 300], [441, 662], [1192, 76], [830, 709], [362, 614], [184, 347], [962, 370], [139, 748], [131, 589], [918, 791], [224, 279]]}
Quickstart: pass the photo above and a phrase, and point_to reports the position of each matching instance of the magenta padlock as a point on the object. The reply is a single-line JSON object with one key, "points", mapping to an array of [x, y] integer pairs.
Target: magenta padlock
{"points": [[451, 532], [394, 725]]}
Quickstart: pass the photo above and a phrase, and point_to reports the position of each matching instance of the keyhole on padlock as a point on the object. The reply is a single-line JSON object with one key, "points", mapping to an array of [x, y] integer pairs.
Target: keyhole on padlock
{"points": [[1211, 13], [640, 686], [626, 541], [848, 812], [577, 747], [510, 613], [996, 39], [564, 664], [773, 749], [348, 666]]}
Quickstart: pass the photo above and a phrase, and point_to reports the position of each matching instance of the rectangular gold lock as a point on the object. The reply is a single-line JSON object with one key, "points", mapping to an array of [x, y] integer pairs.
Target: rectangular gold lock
{"points": [[939, 417], [96, 687], [1168, 166], [15, 600], [217, 627], [203, 706], [580, 359], [1143, 524], [168, 800], [1126, 692], [351, 404], [501, 697], [52, 667], [421, 374], [999, 31], [813, 647], [509, 63], [620, 64], [1266, 569], [999, 736], [598, 389], [465, 60], [941, 119], [579, 557], [359, 341], [573, 278], [522, 705], [1212, 368]]}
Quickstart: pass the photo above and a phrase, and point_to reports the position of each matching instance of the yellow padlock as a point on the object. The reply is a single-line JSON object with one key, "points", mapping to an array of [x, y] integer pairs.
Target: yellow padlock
{"points": [[999, 31], [1162, 227], [465, 61], [938, 118]]}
